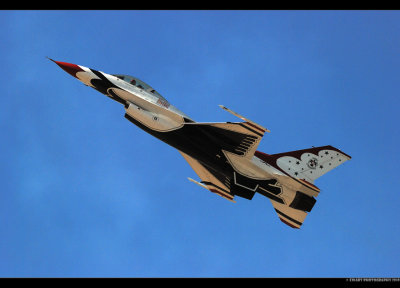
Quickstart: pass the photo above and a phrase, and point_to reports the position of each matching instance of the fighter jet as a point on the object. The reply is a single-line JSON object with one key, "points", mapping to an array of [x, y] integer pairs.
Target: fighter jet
{"points": [[223, 154]]}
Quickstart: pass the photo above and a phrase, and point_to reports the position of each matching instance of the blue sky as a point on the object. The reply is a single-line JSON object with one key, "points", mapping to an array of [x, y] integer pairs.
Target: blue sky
{"points": [[87, 194]]}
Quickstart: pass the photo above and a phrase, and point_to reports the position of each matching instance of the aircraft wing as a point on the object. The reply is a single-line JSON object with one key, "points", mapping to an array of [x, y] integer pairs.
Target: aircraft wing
{"points": [[241, 138], [209, 180], [234, 137]]}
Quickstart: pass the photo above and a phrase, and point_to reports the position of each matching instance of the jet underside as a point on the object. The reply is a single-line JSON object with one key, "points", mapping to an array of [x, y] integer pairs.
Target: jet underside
{"points": [[223, 155], [201, 144]]}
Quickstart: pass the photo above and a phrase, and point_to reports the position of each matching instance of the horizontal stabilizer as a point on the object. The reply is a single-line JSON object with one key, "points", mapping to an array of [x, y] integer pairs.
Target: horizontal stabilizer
{"points": [[290, 216]]}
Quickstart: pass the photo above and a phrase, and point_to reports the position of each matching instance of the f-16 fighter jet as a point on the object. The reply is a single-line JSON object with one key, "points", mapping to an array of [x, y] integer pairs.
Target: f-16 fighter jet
{"points": [[223, 155]]}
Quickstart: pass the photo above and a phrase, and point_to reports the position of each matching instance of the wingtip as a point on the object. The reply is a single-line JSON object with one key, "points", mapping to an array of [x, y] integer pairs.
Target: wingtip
{"points": [[258, 126]]}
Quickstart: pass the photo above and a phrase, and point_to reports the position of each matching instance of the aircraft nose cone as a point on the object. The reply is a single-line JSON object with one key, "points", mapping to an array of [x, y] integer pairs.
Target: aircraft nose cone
{"points": [[72, 69]]}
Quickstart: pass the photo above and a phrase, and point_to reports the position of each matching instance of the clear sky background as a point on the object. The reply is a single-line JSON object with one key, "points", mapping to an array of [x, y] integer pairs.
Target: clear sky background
{"points": [[85, 193]]}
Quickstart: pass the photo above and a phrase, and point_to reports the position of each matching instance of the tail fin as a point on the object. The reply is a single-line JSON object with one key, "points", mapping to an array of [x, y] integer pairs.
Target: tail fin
{"points": [[304, 166], [310, 164]]}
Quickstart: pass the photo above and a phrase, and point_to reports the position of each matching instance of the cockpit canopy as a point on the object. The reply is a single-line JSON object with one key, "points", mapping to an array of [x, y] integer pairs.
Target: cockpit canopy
{"points": [[139, 83]]}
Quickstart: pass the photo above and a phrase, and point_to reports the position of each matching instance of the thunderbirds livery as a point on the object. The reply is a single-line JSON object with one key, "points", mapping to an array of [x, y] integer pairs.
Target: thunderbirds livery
{"points": [[223, 155]]}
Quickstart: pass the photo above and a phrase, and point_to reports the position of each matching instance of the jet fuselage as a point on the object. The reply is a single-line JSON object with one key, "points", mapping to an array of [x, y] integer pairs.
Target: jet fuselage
{"points": [[223, 154]]}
